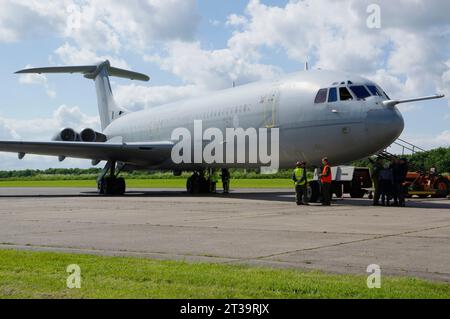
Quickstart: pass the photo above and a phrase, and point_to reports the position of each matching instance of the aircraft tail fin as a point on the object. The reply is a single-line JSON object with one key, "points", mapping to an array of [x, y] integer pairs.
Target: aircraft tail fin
{"points": [[107, 107]]}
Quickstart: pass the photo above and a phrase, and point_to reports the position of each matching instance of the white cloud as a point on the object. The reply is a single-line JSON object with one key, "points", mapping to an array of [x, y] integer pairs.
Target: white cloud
{"points": [[24, 19], [236, 20], [101, 24], [6, 132], [214, 23], [212, 69], [45, 128], [11, 162], [37, 79], [334, 34], [71, 55], [429, 141]]}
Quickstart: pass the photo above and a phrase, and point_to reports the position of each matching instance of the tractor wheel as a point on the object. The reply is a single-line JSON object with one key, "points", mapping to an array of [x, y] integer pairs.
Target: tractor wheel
{"points": [[443, 188]]}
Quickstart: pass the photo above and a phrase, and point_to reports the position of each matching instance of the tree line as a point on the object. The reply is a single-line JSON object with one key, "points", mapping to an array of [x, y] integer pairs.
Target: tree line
{"points": [[438, 158]]}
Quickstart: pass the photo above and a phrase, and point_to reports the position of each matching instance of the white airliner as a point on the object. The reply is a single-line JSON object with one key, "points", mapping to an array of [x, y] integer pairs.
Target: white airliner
{"points": [[318, 113]]}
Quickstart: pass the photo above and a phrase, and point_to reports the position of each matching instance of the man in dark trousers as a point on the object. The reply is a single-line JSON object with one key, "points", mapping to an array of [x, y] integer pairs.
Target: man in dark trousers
{"points": [[301, 183], [386, 180], [325, 182], [395, 167], [377, 166], [402, 172], [225, 174]]}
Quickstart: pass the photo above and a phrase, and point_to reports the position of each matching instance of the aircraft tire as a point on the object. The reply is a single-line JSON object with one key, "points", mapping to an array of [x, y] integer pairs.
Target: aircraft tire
{"points": [[101, 187], [193, 185], [189, 185], [313, 192], [120, 186], [112, 186]]}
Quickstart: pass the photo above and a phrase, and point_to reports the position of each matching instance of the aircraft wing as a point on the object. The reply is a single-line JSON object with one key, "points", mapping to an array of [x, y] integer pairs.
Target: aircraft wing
{"points": [[151, 153]]}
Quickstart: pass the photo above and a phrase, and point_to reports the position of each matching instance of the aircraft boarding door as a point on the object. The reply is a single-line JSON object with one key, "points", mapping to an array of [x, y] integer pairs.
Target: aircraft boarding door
{"points": [[270, 105]]}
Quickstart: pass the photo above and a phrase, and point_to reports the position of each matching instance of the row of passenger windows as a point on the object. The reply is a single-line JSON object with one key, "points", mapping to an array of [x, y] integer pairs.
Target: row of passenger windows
{"points": [[343, 94]]}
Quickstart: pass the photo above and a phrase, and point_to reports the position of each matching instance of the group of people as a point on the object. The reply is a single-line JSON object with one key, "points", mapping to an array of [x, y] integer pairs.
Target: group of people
{"points": [[388, 179], [214, 179], [301, 183]]}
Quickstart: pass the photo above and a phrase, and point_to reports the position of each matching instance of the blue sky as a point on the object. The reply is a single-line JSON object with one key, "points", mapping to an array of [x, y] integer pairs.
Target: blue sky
{"points": [[190, 47]]}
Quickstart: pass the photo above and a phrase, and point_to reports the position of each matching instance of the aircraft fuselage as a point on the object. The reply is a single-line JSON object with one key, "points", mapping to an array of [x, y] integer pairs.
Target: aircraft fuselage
{"points": [[342, 130]]}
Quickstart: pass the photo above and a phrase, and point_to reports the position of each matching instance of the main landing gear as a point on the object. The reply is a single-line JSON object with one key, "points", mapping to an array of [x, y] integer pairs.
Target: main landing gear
{"points": [[110, 184], [202, 182]]}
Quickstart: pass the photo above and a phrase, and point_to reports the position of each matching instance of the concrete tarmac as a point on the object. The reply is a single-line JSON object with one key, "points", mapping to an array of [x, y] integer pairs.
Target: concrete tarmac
{"points": [[262, 227]]}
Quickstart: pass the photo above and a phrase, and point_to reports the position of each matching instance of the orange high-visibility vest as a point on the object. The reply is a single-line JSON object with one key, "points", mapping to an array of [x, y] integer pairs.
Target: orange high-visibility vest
{"points": [[326, 179]]}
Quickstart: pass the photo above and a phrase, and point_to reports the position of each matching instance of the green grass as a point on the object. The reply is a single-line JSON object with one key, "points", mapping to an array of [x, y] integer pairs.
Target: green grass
{"points": [[26, 274], [149, 183]]}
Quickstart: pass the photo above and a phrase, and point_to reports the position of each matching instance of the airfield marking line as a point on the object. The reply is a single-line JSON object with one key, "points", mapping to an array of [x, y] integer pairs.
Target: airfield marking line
{"points": [[352, 242]]}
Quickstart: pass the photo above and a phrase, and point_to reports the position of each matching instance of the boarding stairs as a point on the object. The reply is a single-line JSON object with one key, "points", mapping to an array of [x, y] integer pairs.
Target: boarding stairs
{"points": [[406, 148]]}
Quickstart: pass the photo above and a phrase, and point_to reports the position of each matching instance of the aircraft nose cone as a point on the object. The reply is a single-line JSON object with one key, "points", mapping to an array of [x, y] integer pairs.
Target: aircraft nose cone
{"points": [[384, 126]]}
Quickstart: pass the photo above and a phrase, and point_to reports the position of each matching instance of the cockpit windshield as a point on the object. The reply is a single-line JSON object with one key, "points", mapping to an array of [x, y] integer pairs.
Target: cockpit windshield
{"points": [[347, 91], [360, 91], [374, 90]]}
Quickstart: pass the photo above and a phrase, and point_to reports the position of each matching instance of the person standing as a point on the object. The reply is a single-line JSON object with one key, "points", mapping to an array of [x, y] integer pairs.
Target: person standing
{"points": [[386, 181], [377, 166], [213, 179], [403, 171], [225, 175], [301, 183], [325, 181], [396, 176]]}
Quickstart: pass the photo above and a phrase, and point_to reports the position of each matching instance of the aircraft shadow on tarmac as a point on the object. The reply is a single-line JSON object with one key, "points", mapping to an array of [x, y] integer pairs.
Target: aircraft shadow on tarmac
{"points": [[275, 196]]}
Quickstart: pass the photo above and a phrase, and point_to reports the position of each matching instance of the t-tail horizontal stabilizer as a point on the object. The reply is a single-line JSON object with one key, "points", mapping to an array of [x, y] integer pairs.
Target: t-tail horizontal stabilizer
{"points": [[89, 71]]}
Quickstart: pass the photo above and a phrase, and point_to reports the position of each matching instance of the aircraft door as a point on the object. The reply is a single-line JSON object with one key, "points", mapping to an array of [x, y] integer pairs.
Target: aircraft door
{"points": [[270, 104]]}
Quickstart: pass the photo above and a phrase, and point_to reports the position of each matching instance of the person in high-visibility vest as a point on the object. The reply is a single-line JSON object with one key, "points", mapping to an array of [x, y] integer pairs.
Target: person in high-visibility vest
{"points": [[325, 180], [225, 180], [301, 183]]}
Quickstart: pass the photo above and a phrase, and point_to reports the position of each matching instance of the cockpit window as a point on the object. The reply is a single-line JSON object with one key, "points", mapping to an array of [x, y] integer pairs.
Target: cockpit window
{"points": [[373, 89], [321, 96], [332, 95], [360, 91], [345, 94]]}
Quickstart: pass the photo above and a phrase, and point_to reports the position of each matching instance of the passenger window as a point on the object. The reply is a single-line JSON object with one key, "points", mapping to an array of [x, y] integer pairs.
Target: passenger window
{"points": [[345, 94], [360, 91], [321, 96], [332, 95]]}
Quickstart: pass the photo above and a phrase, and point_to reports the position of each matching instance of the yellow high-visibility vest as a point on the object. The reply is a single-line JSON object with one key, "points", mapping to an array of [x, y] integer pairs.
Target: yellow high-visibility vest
{"points": [[299, 175]]}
